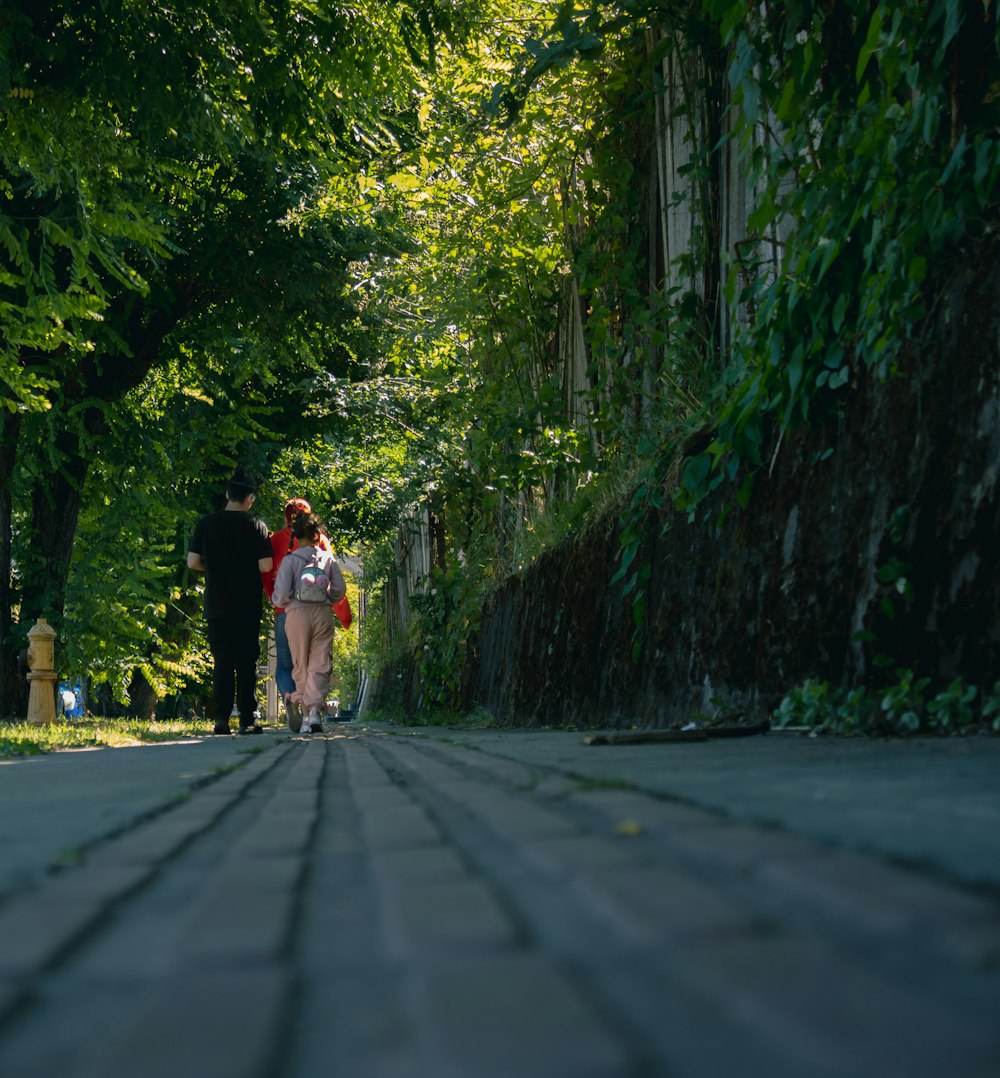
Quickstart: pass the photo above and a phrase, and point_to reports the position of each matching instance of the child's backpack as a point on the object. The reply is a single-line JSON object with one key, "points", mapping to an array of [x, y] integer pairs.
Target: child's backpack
{"points": [[312, 584]]}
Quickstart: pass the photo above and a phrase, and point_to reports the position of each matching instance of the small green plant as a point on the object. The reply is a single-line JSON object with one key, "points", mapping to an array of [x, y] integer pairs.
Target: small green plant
{"points": [[583, 784], [809, 704], [901, 708], [894, 575], [223, 769], [856, 713], [70, 857], [991, 708], [903, 704], [952, 709]]}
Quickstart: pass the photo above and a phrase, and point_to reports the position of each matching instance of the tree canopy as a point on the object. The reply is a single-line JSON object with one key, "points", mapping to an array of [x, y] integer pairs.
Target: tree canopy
{"points": [[171, 250]]}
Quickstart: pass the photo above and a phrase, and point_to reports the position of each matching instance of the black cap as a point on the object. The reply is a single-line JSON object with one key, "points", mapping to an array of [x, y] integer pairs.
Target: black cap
{"points": [[241, 485]]}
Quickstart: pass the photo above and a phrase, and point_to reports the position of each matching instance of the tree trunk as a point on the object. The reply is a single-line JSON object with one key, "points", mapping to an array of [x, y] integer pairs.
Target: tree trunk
{"points": [[56, 497], [55, 510], [13, 686], [142, 697]]}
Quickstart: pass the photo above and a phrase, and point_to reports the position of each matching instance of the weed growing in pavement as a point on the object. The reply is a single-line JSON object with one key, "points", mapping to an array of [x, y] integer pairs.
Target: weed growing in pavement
{"points": [[70, 858], [583, 784], [222, 770]]}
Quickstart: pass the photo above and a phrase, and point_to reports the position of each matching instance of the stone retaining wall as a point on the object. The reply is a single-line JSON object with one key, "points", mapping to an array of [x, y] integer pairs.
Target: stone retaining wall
{"points": [[739, 612]]}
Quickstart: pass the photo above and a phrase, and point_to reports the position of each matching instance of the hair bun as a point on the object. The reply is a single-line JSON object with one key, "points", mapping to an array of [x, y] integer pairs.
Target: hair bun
{"points": [[306, 524], [295, 506]]}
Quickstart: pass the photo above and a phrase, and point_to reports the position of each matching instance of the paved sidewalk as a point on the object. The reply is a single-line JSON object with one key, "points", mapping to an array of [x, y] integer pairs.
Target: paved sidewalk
{"points": [[53, 806], [456, 904]]}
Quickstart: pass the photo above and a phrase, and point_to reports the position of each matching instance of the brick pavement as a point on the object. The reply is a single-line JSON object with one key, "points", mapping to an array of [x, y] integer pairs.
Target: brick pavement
{"points": [[365, 904]]}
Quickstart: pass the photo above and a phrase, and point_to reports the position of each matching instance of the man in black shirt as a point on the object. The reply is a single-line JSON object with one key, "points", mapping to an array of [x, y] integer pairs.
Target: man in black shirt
{"points": [[232, 549]]}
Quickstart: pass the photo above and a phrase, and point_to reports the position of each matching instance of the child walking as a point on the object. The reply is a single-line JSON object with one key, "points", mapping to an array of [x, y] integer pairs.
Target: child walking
{"points": [[308, 581], [282, 544]]}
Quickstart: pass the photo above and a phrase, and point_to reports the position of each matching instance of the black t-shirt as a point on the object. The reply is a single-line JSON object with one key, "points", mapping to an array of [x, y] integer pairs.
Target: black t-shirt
{"points": [[231, 542]]}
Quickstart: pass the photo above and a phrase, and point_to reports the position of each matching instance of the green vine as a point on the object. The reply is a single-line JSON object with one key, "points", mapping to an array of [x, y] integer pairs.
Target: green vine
{"points": [[446, 617], [881, 159]]}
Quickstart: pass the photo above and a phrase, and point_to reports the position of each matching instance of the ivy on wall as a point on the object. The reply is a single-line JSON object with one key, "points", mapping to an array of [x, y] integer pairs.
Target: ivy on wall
{"points": [[882, 150], [871, 132]]}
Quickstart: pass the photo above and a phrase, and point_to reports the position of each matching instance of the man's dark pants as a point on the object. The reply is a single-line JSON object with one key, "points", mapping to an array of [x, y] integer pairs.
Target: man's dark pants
{"points": [[235, 644]]}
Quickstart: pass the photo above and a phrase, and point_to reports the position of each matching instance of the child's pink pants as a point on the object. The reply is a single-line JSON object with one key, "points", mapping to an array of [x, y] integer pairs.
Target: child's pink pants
{"points": [[310, 638]]}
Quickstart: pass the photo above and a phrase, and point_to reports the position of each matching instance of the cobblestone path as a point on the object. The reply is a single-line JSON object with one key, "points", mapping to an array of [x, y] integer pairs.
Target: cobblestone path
{"points": [[367, 905]]}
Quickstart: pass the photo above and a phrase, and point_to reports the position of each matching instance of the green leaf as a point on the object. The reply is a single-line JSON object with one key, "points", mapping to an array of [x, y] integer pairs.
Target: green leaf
{"points": [[871, 43], [839, 309], [955, 160]]}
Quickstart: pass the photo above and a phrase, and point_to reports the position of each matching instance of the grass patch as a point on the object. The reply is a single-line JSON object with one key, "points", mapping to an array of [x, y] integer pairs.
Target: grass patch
{"points": [[19, 738]]}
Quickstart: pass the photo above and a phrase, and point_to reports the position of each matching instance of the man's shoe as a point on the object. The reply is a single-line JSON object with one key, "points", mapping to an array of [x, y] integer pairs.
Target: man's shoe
{"points": [[252, 728], [314, 722], [221, 731]]}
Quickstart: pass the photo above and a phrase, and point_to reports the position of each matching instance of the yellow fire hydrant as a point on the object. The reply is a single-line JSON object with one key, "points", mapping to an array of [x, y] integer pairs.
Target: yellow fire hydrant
{"points": [[41, 659]]}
